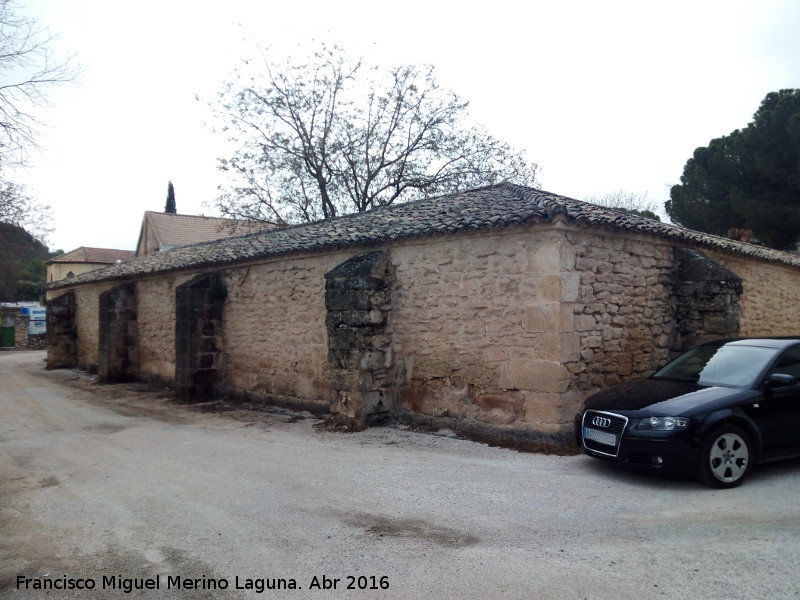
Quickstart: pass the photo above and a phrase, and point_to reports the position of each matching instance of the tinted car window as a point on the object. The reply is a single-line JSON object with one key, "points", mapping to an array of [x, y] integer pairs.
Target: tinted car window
{"points": [[727, 365], [789, 363]]}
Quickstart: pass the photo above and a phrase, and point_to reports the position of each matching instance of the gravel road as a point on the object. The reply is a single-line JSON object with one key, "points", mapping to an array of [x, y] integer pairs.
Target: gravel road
{"points": [[119, 487]]}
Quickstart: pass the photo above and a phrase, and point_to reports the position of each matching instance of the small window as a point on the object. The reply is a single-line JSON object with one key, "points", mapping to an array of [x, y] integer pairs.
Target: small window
{"points": [[70, 274]]}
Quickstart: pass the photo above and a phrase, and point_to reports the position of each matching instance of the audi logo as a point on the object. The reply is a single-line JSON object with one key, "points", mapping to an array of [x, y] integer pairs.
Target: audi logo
{"points": [[601, 422]]}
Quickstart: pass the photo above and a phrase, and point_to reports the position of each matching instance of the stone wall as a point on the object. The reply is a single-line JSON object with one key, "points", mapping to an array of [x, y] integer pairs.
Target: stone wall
{"points": [[199, 337], [480, 332], [276, 345], [118, 359], [496, 331], [623, 311], [358, 296], [706, 298], [769, 293], [156, 310], [85, 328], [24, 340], [62, 332]]}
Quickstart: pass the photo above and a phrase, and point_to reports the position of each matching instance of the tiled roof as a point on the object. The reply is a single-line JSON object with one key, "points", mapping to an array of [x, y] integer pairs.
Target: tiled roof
{"points": [[101, 256], [181, 230], [496, 206]]}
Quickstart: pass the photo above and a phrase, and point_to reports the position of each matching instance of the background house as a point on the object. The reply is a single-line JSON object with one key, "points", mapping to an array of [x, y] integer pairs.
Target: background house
{"points": [[82, 260], [162, 231]]}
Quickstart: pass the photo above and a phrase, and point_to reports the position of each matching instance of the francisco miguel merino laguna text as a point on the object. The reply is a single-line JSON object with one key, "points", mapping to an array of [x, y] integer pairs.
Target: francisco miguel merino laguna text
{"points": [[168, 582], [176, 582]]}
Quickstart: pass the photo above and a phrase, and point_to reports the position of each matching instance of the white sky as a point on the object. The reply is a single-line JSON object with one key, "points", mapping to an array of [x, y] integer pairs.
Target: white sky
{"points": [[602, 95]]}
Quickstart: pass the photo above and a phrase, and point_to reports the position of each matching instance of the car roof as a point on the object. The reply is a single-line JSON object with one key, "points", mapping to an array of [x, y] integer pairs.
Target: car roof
{"points": [[766, 342]]}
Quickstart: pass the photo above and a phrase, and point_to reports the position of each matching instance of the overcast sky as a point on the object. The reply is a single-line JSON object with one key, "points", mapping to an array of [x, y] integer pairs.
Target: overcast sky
{"points": [[602, 95]]}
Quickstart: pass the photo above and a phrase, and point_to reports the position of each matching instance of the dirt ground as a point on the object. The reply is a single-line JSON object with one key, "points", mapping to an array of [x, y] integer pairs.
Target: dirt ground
{"points": [[119, 488]]}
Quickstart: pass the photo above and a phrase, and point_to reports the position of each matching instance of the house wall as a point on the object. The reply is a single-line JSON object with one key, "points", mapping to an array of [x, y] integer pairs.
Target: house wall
{"points": [[504, 330], [770, 293], [623, 311], [275, 335], [148, 244], [87, 322], [156, 312], [515, 329], [57, 271], [479, 329]]}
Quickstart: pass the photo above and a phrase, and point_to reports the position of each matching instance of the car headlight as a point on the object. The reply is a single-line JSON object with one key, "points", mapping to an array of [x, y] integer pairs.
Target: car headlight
{"points": [[663, 423]]}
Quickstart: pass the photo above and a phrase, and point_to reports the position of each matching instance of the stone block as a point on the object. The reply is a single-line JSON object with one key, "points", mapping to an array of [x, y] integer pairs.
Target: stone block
{"points": [[375, 359], [534, 375], [363, 283], [208, 344], [495, 354], [542, 317], [593, 341], [549, 287], [355, 318], [548, 346], [432, 367], [343, 380], [346, 299], [570, 286], [570, 347], [544, 258], [500, 409], [345, 338], [585, 323], [205, 361], [543, 408]]}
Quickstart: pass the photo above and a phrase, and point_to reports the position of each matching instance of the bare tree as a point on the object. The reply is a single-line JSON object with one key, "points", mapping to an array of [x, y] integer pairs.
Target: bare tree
{"points": [[28, 70], [329, 135], [17, 208], [633, 202]]}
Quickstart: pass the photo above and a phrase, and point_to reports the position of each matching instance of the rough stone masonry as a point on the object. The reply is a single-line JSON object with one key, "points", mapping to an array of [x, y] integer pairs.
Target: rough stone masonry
{"points": [[493, 311]]}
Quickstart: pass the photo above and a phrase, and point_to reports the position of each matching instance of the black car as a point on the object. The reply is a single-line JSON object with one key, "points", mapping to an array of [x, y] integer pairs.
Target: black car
{"points": [[713, 412]]}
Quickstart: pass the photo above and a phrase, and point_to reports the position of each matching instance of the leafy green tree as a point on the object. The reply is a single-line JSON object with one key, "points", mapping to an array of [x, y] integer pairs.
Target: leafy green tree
{"points": [[326, 136], [22, 265], [749, 179], [23, 229], [171, 206]]}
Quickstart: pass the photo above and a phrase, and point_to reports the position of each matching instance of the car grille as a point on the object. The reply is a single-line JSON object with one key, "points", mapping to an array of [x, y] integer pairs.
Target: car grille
{"points": [[602, 431]]}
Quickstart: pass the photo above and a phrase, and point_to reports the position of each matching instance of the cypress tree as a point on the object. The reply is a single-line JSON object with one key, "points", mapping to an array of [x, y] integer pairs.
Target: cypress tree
{"points": [[170, 207]]}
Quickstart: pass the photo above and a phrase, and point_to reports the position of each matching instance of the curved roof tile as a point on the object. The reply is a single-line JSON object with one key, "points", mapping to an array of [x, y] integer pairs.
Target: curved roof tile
{"points": [[498, 205]]}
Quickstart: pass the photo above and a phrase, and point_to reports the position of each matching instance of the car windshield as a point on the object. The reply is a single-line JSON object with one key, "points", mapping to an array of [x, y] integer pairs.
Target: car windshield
{"points": [[727, 365]]}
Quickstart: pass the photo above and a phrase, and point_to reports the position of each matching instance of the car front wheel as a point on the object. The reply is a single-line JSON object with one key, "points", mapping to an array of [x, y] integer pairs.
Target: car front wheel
{"points": [[726, 457]]}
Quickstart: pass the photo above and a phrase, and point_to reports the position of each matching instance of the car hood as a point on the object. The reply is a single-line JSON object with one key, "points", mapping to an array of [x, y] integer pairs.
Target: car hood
{"points": [[662, 396]]}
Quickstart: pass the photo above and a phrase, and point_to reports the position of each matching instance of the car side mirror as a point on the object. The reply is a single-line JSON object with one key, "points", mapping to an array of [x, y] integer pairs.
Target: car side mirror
{"points": [[780, 380]]}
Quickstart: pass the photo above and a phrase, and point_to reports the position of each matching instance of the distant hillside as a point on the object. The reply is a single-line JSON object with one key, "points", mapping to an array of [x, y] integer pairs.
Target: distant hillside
{"points": [[22, 270]]}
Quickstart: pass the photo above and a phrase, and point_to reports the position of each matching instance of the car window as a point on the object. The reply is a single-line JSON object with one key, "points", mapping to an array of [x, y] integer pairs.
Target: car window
{"points": [[788, 363], [727, 365]]}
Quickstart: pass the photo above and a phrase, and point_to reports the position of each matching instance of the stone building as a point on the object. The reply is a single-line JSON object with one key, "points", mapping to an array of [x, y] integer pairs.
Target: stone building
{"points": [[82, 260], [162, 231], [492, 311]]}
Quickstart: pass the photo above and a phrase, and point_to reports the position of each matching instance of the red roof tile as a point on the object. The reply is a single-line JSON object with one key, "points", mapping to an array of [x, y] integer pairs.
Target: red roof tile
{"points": [[99, 256], [181, 230]]}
